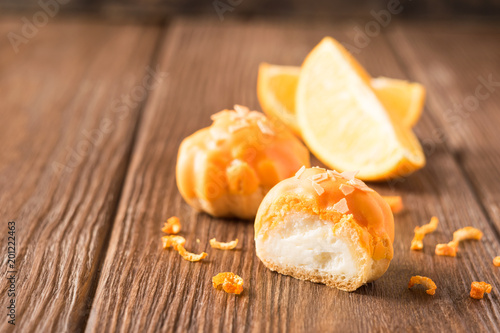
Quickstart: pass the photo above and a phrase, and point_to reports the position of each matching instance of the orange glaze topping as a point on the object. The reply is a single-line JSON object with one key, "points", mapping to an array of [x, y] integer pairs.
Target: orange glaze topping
{"points": [[367, 212]]}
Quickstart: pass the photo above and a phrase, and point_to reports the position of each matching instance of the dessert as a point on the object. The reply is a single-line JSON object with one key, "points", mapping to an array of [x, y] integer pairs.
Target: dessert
{"points": [[326, 227], [226, 169]]}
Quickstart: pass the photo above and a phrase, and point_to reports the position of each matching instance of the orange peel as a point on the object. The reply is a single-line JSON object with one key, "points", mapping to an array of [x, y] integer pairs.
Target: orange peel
{"points": [[172, 226], [461, 234], [425, 281], [477, 289], [222, 245], [229, 282], [496, 261], [395, 202], [420, 232]]}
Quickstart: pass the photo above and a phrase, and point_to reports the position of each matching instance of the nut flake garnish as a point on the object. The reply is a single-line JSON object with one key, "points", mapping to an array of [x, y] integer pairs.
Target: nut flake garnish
{"points": [[346, 189], [264, 128], [242, 124], [333, 174], [317, 187], [349, 174], [241, 111], [359, 184], [300, 172], [319, 177], [341, 206]]}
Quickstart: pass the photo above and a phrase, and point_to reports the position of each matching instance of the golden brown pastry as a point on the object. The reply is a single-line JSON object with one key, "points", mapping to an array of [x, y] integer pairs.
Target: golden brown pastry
{"points": [[227, 169], [325, 227]]}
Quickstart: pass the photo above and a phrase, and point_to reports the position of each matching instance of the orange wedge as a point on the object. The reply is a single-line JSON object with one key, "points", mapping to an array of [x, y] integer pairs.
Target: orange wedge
{"points": [[344, 123], [276, 87], [401, 98]]}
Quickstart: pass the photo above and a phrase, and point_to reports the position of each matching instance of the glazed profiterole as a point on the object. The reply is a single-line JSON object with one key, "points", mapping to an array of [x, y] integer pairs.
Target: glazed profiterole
{"points": [[227, 168], [325, 227]]}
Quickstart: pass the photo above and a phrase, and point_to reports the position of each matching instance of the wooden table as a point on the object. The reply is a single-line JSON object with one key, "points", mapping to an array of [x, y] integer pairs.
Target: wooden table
{"points": [[91, 118]]}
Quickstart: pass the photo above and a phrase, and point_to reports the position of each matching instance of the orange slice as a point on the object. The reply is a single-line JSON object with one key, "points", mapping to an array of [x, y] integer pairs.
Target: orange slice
{"points": [[401, 98], [276, 87], [344, 123]]}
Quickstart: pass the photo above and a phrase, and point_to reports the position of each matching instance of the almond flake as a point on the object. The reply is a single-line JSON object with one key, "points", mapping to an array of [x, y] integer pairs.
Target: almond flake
{"points": [[359, 184], [237, 127], [341, 206], [346, 189], [320, 190], [241, 110], [264, 128], [333, 174], [300, 172], [319, 177], [349, 174], [218, 115]]}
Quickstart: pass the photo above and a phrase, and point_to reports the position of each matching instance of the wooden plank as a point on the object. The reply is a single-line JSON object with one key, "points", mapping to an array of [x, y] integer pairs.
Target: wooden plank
{"points": [[145, 288], [461, 70], [66, 140]]}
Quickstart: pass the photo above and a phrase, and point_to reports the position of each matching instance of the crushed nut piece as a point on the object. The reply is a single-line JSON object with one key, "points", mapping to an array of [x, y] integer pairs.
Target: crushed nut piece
{"points": [[425, 281], [346, 189], [359, 184], [319, 177], [229, 282], [242, 124], [420, 232], [223, 246], [349, 174], [496, 261], [341, 206], [172, 226], [317, 187], [241, 110], [264, 128], [395, 202], [477, 289], [300, 172], [333, 174]]}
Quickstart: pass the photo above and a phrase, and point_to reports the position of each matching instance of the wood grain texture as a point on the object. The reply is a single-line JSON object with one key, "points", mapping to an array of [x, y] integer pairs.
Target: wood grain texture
{"points": [[461, 69], [65, 148], [145, 288]]}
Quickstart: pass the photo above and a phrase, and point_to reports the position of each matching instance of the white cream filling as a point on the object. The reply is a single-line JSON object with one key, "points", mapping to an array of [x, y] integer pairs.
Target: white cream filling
{"points": [[308, 242]]}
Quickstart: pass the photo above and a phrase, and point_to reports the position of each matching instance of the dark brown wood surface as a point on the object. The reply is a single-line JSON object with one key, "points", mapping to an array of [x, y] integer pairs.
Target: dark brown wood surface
{"points": [[89, 249]]}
